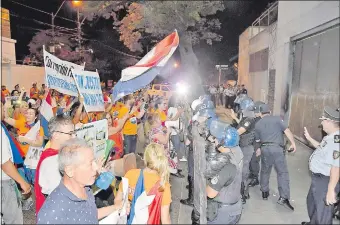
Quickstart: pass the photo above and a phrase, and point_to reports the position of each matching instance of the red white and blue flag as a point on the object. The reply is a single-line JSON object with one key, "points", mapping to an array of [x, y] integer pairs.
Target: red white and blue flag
{"points": [[46, 112], [145, 207], [140, 75]]}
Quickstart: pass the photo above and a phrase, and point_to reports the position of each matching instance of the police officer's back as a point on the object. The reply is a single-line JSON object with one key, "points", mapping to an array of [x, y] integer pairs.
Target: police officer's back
{"points": [[269, 138]]}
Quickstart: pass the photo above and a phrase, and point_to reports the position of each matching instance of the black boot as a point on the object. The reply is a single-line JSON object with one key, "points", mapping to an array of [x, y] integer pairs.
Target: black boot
{"points": [[285, 203], [265, 195], [244, 194], [190, 200], [195, 217], [254, 181]]}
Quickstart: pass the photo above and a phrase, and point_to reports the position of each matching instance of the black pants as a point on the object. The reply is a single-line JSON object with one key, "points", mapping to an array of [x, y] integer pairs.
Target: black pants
{"points": [[254, 165], [318, 211], [213, 99]]}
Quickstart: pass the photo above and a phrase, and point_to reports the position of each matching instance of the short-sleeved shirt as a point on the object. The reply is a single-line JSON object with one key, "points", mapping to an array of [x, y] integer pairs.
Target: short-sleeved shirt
{"points": [[326, 155], [23, 128], [224, 178], [63, 207], [150, 179], [270, 129], [6, 153], [130, 126]]}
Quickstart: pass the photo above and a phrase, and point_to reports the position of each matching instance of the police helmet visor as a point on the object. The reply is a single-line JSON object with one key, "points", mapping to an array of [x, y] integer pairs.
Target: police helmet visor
{"points": [[217, 129]]}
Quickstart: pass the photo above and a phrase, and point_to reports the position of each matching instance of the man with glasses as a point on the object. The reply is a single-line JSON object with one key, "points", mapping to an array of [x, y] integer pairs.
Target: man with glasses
{"points": [[61, 129]]}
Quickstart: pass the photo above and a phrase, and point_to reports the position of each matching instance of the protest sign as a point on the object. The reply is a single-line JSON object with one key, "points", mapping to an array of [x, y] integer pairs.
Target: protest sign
{"points": [[11, 98], [59, 74], [33, 153], [95, 134], [88, 84]]}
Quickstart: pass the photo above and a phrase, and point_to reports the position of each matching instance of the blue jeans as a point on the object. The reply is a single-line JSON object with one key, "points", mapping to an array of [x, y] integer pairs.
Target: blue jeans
{"points": [[130, 142], [175, 140]]}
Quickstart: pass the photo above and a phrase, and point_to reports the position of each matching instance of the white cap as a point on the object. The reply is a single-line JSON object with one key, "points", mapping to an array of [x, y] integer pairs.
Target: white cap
{"points": [[195, 103]]}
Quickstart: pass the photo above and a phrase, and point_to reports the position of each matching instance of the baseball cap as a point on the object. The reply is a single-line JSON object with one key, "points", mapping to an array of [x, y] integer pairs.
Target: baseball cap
{"points": [[330, 113]]}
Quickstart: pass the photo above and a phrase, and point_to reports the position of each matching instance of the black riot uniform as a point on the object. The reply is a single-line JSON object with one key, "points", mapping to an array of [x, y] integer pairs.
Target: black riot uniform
{"points": [[246, 144], [224, 175], [254, 166], [189, 200]]}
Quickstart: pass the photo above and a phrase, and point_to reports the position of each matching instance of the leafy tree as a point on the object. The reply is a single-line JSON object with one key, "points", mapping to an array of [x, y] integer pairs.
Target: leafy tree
{"points": [[108, 63], [192, 19]]}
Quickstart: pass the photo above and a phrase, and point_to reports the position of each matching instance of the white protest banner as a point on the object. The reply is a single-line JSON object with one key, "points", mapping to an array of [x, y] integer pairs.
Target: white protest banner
{"points": [[59, 74], [95, 134], [11, 98], [88, 84], [33, 153]]}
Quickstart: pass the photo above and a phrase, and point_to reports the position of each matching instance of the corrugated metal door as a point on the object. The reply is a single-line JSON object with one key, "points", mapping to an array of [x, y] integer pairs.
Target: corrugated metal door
{"points": [[315, 81]]}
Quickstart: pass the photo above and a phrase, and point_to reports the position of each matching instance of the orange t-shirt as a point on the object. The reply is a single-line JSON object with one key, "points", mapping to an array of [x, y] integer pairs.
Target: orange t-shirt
{"points": [[130, 126], [117, 138], [150, 179], [5, 93], [162, 115], [34, 93], [23, 128]]}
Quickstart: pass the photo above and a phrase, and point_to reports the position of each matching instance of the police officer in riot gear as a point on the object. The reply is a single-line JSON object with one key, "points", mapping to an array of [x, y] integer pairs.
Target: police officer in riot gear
{"points": [[246, 131], [269, 144], [204, 113], [224, 177], [189, 145], [254, 165], [324, 164]]}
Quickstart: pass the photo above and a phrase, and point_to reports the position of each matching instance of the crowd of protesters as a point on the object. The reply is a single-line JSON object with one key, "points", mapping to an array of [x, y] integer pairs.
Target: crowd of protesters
{"points": [[65, 168]]}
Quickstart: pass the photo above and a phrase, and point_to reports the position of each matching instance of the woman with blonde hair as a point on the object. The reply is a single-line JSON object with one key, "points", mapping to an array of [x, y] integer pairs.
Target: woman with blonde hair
{"points": [[154, 181]]}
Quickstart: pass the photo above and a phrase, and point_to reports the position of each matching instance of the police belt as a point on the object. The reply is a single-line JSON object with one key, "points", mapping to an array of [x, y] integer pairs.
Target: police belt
{"points": [[272, 144], [221, 204]]}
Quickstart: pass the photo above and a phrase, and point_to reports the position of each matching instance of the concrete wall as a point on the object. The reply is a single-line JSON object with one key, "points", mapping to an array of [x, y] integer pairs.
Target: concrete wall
{"points": [[21, 74], [295, 17], [243, 58], [8, 50]]}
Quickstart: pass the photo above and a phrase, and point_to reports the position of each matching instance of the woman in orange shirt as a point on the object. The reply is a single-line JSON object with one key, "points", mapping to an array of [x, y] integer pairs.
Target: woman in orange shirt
{"points": [[115, 133], [156, 182], [23, 126]]}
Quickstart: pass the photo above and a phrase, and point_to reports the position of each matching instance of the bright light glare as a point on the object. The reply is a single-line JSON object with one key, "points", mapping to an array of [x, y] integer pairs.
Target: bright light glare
{"points": [[182, 88], [76, 3]]}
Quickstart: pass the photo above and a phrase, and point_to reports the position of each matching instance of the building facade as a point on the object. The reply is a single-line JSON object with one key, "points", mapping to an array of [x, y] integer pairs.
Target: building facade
{"points": [[292, 63]]}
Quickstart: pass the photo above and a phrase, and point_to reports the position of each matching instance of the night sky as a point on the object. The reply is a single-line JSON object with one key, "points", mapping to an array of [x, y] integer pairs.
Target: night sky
{"points": [[235, 19]]}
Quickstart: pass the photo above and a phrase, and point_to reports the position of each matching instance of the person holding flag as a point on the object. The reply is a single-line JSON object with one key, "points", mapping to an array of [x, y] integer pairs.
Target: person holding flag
{"points": [[149, 187]]}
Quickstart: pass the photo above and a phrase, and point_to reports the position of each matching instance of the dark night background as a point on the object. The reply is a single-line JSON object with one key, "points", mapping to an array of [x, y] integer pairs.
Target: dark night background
{"points": [[235, 19]]}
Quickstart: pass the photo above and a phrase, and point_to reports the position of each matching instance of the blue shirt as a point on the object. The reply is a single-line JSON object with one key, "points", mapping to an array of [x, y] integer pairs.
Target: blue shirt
{"points": [[63, 207]]}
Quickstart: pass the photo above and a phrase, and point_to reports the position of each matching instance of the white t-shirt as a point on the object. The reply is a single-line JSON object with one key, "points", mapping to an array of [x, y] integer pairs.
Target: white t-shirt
{"points": [[49, 175], [6, 153], [213, 90]]}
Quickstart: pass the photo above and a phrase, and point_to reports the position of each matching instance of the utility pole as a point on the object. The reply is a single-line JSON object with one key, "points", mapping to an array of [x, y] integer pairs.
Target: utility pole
{"points": [[53, 15]]}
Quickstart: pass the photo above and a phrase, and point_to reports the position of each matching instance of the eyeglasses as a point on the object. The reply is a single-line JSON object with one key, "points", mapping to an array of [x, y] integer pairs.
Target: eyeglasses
{"points": [[71, 133]]}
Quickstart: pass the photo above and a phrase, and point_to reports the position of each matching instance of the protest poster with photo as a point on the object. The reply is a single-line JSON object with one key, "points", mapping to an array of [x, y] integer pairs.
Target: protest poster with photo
{"points": [[88, 84], [95, 134], [59, 74], [11, 98]]}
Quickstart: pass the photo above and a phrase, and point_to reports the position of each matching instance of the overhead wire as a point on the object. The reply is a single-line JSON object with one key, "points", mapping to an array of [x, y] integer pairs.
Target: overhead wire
{"points": [[39, 10]]}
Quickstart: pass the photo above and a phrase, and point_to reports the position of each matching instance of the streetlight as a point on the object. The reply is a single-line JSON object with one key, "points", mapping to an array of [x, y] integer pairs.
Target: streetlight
{"points": [[176, 65], [76, 3]]}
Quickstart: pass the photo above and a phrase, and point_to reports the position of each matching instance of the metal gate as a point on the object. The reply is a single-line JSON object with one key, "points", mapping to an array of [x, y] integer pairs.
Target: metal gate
{"points": [[315, 80]]}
